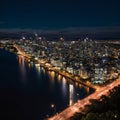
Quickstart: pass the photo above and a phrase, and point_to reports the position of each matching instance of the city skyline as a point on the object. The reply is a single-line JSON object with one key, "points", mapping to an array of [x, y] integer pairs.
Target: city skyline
{"points": [[60, 59], [90, 64]]}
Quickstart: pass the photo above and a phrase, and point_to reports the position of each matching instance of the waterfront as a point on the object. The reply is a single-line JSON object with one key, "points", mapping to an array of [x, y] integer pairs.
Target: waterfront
{"points": [[28, 91]]}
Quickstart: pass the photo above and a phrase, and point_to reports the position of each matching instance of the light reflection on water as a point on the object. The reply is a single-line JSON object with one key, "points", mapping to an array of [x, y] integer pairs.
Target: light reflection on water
{"points": [[29, 65], [59, 77], [67, 86], [76, 84], [51, 75], [22, 67], [43, 69], [71, 94], [38, 69], [64, 86], [39, 88]]}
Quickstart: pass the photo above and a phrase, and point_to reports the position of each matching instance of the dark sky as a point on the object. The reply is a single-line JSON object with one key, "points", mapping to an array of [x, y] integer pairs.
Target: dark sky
{"points": [[57, 14]]}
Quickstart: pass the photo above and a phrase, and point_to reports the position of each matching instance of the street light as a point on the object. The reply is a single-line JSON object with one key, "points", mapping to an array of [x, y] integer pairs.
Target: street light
{"points": [[54, 108], [52, 105]]}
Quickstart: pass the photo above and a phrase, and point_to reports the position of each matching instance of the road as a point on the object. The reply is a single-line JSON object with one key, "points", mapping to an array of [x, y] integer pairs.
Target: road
{"points": [[70, 111], [21, 52]]}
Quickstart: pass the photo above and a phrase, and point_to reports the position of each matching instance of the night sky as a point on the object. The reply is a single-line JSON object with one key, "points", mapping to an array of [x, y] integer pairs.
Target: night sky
{"points": [[57, 14]]}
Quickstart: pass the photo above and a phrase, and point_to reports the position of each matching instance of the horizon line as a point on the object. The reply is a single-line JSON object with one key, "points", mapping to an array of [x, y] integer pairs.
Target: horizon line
{"points": [[67, 29]]}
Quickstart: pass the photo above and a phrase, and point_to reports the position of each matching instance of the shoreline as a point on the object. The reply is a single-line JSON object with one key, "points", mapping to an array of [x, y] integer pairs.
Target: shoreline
{"points": [[50, 68], [65, 74]]}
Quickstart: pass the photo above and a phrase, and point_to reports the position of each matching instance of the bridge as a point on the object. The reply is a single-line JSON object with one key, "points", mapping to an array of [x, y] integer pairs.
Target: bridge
{"points": [[80, 105], [21, 52]]}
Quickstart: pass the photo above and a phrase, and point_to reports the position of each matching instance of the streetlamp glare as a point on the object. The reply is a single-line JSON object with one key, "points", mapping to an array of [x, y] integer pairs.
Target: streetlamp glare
{"points": [[52, 105]]}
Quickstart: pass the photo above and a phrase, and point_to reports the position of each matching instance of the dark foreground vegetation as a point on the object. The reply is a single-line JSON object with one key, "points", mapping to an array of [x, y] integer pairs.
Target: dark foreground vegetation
{"points": [[107, 108]]}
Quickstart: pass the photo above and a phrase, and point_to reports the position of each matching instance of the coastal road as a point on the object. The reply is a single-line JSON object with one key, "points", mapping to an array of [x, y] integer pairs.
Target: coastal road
{"points": [[21, 52], [70, 111]]}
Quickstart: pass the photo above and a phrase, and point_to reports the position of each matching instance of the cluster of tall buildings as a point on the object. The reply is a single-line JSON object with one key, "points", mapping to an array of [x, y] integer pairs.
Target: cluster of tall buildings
{"points": [[96, 60]]}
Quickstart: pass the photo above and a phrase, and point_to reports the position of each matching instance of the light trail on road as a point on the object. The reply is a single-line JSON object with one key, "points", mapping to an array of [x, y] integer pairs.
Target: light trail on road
{"points": [[70, 111], [21, 52]]}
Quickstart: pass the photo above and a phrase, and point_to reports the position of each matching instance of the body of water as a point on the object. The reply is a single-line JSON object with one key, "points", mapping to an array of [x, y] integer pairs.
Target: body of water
{"points": [[28, 91]]}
